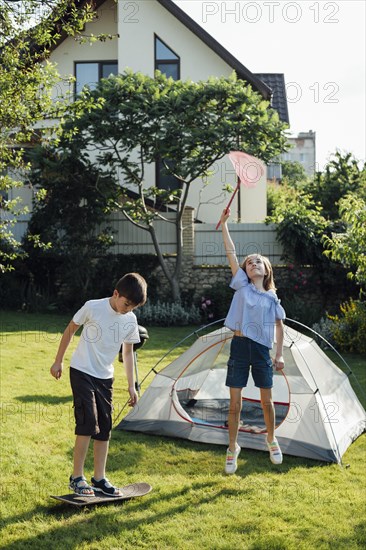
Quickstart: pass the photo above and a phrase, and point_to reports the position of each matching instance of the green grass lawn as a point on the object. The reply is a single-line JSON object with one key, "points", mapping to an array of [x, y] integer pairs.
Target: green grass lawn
{"points": [[302, 504]]}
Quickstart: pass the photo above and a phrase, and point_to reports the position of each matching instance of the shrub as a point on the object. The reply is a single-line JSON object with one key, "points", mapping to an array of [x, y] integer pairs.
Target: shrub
{"points": [[325, 327], [207, 309], [217, 300], [300, 227], [42, 283], [348, 247], [164, 314], [110, 268], [302, 310], [349, 328]]}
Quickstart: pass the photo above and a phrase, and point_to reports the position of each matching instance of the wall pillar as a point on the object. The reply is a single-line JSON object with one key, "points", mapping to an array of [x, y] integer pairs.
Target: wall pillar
{"points": [[188, 234]]}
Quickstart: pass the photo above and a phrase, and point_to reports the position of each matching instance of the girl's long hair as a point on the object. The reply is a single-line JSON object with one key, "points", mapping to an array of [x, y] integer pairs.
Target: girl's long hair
{"points": [[268, 281]]}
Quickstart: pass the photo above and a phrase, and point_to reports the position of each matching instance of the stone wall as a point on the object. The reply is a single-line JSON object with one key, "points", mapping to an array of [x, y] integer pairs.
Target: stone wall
{"points": [[307, 290], [306, 295]]}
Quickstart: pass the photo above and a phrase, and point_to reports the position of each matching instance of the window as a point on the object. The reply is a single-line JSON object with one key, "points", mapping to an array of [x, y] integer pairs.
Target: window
{"points": [[274, 171], [4, 195], [302, 157], [166, 61], [165, 180], [88, 73]]}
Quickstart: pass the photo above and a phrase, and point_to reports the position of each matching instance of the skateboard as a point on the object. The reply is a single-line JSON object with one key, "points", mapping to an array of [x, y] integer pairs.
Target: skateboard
{"points": [[129, 491]]}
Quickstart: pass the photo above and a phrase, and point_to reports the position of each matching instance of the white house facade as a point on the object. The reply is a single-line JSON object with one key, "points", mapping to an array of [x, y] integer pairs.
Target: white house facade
{"points": [[151, 34], [303, 151]]}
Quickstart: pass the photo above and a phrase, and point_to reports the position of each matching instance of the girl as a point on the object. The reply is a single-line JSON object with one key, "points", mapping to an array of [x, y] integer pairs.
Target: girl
{"points": [[254, 311]]}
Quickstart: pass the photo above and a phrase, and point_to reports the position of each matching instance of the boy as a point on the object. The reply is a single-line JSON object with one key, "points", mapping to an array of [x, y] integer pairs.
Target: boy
{"points": [[107, 323]]}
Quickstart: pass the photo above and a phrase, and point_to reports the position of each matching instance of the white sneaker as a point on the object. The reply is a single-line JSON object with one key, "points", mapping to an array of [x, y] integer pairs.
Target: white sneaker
{"points": [[275, 453], [231, 463]]}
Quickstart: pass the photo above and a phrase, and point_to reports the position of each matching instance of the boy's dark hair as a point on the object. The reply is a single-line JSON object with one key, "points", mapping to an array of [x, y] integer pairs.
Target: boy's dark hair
{"points": [[133, 287]]}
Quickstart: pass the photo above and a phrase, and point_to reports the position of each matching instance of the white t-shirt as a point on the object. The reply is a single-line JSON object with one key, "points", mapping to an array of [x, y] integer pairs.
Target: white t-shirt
{"points": [[103, 333]]}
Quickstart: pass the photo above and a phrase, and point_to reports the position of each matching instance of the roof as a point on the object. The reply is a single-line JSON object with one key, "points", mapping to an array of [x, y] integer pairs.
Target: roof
{"points": [[276, 82], [242, 72], [270, 85]]}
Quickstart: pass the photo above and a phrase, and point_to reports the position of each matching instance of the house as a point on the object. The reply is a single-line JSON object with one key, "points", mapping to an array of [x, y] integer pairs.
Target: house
{"points": [[157, 34], [303, 151], [276, 82]]}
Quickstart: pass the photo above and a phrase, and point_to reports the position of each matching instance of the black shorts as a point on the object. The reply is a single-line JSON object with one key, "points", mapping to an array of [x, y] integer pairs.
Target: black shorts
{"points": [[92, 404]]}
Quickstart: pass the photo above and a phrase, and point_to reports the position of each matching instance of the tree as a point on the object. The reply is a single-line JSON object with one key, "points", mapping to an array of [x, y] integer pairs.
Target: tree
{"points": [[349, 248], [28, 30], [309, 239], [72, 195], [342, 175], [293, 173], [300, 225], [306, 216], [186, 125]]}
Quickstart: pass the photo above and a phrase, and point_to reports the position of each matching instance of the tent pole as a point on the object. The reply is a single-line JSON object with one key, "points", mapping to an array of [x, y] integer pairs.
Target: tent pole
{"points": [[137, 385], [350, 371]]}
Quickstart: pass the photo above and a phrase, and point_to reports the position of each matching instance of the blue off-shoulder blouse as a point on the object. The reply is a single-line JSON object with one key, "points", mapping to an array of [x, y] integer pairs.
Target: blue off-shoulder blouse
{"points": [[253, 312]]}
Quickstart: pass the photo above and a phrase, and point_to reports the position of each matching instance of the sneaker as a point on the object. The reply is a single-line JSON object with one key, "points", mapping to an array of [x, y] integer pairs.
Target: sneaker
{"points": [[231, 463], [275, 453], [104, 486]]}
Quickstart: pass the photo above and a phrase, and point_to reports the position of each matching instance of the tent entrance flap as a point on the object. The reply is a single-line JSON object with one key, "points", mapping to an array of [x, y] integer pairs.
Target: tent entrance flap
{"points": [[214, 412], [205, 398]]}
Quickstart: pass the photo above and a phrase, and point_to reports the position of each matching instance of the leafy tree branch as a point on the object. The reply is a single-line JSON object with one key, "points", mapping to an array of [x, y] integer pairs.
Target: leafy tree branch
{"points": [[187, 126]]}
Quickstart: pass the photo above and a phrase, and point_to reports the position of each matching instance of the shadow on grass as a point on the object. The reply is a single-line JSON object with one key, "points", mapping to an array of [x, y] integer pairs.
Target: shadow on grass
{"points": [[148, 455], [90, 528], [41, 323], [140, 451], [161, 457], [44, 399]]}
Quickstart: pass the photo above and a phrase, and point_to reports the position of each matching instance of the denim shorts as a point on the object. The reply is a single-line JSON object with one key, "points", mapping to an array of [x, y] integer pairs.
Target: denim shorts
{"points": [[92, 404], [245, 353]]}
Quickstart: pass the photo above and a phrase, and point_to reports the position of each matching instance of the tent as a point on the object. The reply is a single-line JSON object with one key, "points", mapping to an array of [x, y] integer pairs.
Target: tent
{"points": [[317, 412]]}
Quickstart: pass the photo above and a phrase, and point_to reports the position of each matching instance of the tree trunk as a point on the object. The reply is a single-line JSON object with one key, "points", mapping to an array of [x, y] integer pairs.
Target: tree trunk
{"points": [[174, 285], [173, 278]]}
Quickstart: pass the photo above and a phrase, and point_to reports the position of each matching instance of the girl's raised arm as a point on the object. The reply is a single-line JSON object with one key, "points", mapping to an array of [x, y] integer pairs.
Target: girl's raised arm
{"points": [[228, 243]]}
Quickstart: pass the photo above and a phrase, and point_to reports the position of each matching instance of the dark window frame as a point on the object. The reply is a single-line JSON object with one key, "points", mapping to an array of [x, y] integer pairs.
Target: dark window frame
{"points": [[177, 183], [175, 62], [100, 64], [157, 60]]}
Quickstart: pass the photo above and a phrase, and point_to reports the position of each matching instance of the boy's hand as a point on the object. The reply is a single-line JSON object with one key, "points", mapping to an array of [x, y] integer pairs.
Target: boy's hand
{"points": [[133, 397], [279, 362], [56, 370]]}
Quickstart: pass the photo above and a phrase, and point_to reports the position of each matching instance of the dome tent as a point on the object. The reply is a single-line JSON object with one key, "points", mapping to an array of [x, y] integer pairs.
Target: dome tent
{"points": [[317, 412]]}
